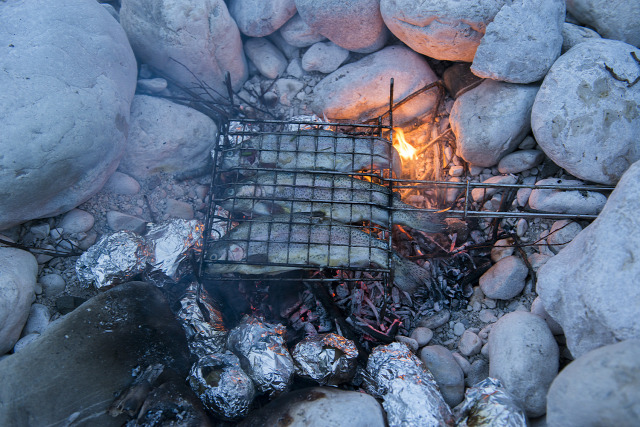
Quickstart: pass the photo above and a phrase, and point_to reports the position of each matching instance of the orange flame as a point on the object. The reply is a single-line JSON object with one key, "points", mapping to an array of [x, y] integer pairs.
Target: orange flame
{"points": [[406, 150]]}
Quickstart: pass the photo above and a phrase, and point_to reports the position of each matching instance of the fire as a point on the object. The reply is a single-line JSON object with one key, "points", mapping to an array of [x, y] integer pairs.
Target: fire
{"points": [[406, 150]]}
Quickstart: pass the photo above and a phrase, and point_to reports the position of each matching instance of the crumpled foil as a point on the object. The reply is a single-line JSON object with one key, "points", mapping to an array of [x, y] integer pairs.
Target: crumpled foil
{"points": [[202, 322], [293, 127], [489, 404], [170, 241], [116, 258], [411, 396], [326, 358], [222, 386], [263, 354]]}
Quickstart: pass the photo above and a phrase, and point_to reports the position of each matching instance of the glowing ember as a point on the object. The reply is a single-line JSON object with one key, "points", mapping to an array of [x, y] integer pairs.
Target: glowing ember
{"points": [[406, 150]]}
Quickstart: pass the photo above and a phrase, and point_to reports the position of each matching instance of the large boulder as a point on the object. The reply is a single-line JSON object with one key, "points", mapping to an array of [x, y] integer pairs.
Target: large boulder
{"points": [[355, 25], [598, 389], [591, 287], [491, 120], [442, 29], [617, 19], [522, 42], [187, 40], [166, 137], [360, 90], [68, 77], [585, 119], [259, 18], [74, 371]]}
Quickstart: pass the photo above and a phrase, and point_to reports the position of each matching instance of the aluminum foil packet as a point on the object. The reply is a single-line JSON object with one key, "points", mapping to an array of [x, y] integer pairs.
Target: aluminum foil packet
{"points": [[202, 322], [222, 386], [116, 258], [295, 127], [263, 354], [411, 396], [329, 359], [171, 241], [489, 404]]}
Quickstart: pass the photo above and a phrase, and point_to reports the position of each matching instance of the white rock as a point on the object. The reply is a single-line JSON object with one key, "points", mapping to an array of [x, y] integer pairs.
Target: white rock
{"points": [[537, 308], [618, 20], [519, 161], [166, 137], [502, 249], [360, 90], [77, 221], [491, 120], [485, 193], [505, 279], [266, 57], [297, 33], [324, 57], [355, 25], [37, 321], [522, 227], [422, 335], [152, 85], [440, 29], [458, 329], [470, 344], [258, 18], [119, 221], [52, 285], [562, 232], [585, 120], [590, 287], [68, 77], [181, 37], [524, 355], [573, 34], [537, 260], [121, 183], [487, 316], [566, 201], [18, 271], [522, 196], [456, 170], [522, 41], [598, 389], [446, 371]]}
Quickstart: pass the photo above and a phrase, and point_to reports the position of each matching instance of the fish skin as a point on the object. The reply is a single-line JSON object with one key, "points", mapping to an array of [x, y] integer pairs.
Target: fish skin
{"points": [[339, 197], [329, 151], [307, 241]]}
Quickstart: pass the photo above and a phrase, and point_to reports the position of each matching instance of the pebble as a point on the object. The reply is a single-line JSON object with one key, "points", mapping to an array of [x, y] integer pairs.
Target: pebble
{"points": [[409, 342], [562, 233], [24, 341], [297, 33], [485, 350], [537, 260], [266, 57], [456, 170], [119, 221], [505, 279], [527, 143], [458, 329], [324, 57], [422, 335], [121, 183], [566, 201], [519, 161], [475, 170], [436, 320], [522, 227], [290, 52], [446, 371], [502, 249], [537, 308], [294, 69], [38, 320], [287, 89], [478, 371], [489, 303], [522, 196], [462, 362], [77, 221], [152, 85], [178, 209], [40, 231], [480, 193], [470, 344], [487, 316]]}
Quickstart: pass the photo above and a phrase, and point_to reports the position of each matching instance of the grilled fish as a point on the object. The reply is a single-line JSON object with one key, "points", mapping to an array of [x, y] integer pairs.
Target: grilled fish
{"points": [[338, 197], [295, 241], [326, 150]]}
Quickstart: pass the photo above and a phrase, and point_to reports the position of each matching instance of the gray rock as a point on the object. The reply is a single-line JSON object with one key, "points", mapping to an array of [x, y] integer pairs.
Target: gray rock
{"points": [[537, 308], [479, 194], [324, 57], [599, 388], [422, 335], [287, 90], [360, 90], [24, 341], [524, 355], [38, 320], [491, 120], [409, 342], [178, 209], [446, 371], [289, 51], [436, 320], [505, 279], [469, 344], [441, 29], [618, 20], [458, 329], [258, 18], [79, 69], [72, 373], [537, 260], [487, 316], [519, 161], [528, 143], [522, 196], [77, 221], [355, 25], [52, 285], [562, 232], [121, 183], [297, 33], [319, 407], [566, 201], [119, 221], [574, 34], [590, 287], [463, 362], [478, 371], [166, 137], [266, 57], [294, 68], [522, 42], [184, 37], [18, 271], [585, 120]]}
